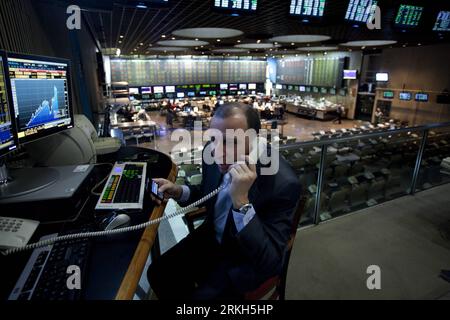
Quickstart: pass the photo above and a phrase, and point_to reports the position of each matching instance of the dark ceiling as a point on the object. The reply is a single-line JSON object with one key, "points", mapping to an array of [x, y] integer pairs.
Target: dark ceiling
{"points": [[109, 19]]}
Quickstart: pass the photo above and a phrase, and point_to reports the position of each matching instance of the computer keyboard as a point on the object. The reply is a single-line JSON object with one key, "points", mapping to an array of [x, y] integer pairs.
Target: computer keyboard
{"points": [[45, 274], [125, 187]]}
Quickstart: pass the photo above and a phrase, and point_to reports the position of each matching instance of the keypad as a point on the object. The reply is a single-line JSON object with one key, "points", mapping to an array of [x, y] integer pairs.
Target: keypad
{"points": [[10, 225]]}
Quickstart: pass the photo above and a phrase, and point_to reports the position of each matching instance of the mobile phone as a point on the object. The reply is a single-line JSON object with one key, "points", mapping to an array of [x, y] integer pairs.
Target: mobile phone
{"points": [[158, 195]]}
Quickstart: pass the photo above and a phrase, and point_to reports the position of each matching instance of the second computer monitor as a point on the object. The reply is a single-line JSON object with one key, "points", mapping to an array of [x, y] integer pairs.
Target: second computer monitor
{"points": [[40, 95]]}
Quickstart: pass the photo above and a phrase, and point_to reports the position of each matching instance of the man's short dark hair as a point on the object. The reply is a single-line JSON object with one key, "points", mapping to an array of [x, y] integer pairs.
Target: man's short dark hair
{"points": [[230, 109]]}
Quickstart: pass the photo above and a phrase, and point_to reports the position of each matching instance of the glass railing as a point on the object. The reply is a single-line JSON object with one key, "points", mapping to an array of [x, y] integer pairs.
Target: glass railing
{"points": [[346, 174]]}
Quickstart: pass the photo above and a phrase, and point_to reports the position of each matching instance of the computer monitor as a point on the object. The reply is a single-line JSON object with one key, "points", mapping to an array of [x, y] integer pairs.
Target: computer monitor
{"points": [[8, 138], [40, 94], [323, 90], [146, 90], [382, 77], [180, 95], [223, 86], [158, 89], [361, 10], [170, 89], [191, 94], [302, 88], [236, 6], [243, 86], [133, 91], [406, 96], [278, 86], [350, 74], [388, 94], [233, 87], [422, 97], [408, 16], [442, 21], [252, 86]]}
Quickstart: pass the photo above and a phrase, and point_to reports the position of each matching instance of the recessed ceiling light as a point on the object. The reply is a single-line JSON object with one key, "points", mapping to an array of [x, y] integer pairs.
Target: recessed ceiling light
{"points": [[120, 41], [121, 37], [163, 36], [239, 41], [173, 38], [258, 41], [218, 40], [141, 44]]}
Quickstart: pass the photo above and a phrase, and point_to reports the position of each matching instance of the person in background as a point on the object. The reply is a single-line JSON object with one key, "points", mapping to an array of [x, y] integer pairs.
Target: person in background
{"points": [[340, 112], [378, 116]]}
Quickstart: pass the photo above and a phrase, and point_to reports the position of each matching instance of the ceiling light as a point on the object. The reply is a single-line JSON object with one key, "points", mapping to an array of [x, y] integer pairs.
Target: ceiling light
{"points": [[118, 51], [163, 36], [141, 44], [218, 40], [258, 41], [121, 37]]}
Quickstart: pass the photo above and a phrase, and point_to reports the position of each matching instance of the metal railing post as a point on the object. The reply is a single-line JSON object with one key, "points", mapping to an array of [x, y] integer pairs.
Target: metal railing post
{"points": [[320, 183], [418, 162]]}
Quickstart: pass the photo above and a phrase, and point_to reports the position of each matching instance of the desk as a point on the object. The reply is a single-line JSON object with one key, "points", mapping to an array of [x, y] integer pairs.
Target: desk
{"points": [[137, 124], [115, 265]]}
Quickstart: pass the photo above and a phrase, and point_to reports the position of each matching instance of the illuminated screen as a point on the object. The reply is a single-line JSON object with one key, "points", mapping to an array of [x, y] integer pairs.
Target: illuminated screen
{"points": [[408, 16], [133, 90], [233, 87], [158, 95], [170, 89], [7, 142], [312, 8], [442, 21], [191, 94], [388, 94], [405, 96], [422, 97], [302, 89], [350, 74], [316, 89], [235, 5], [252, 86], [146, 90], [361, 10], [279, 86], [180, 95], [324, 90], [333, 91], [224, 86], [158, 90], [242, 86], [40, 95], [382, 77]]}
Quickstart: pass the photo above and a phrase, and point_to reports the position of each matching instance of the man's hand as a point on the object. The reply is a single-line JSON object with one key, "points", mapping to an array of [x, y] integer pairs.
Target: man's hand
{"points": [[243, 176], [170, 190]]}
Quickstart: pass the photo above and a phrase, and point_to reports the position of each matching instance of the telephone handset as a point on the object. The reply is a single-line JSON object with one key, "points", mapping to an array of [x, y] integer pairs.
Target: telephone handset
{"points": [[258, 147]]}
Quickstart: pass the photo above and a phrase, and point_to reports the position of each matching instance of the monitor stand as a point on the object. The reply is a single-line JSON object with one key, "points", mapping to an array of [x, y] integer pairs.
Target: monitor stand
{"points": [[19, 182]]}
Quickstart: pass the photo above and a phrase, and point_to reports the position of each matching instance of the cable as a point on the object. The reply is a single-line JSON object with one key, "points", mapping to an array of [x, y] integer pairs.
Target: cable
{"points": [[102, 181], [115, 231]]}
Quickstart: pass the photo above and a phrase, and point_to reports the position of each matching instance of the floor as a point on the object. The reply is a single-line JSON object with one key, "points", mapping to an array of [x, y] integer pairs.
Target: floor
{"points": [[408, 238], [301, 128]]}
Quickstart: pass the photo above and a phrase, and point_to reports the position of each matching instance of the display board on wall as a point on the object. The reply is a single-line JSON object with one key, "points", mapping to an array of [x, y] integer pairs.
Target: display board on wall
{"points": [[178, 72], [312, 71]]}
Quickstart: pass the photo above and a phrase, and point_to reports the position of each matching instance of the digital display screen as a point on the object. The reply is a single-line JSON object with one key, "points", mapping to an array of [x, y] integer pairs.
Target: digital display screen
{"points": [[279, 86], [170, 89], [333, 91], [388, 94], [245, 5], [312, 8], [315, 89], [382, 77], [223, 86], [212, 93], [343, 92], [158, 95], [40, 96], [146, 90], [422, 97], [242, 86], [302, 89], [180, 95], [361, 10], [233, 87], [158, 90], [133, 90], [408, 16], [442, 21], [7, 142], [252, 86], [324, 90], [405, 96], [202, 93], [191, 94], [350, 74], [308, 89]]}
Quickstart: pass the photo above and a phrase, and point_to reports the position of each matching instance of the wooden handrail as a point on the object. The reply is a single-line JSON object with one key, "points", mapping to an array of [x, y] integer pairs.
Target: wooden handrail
{"points": [[131, 279]]}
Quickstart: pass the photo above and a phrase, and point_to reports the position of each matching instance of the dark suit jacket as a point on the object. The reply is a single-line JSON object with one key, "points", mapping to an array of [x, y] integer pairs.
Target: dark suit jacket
{"points": [[255, 254]]}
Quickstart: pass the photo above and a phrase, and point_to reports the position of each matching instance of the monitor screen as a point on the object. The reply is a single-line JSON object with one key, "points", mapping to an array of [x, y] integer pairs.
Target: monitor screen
{"points": [[7, 133], [233, 87], [223, 92], [442, 21], [323, 90], [212, 93], [382, 77], [41, 95], [408, 15], [302, 89], [191, 94], [422, 97], [146, 90], [158, 95], [333, 91], [308, 89], [243, 86], [405, 96], [388, 94], [145, 97], [236, 5], [350, 74], [290, 87], [158, 89], [221, 102], [279, 87], [223, 86], [202, 93], [361, 10], [343, 92], [180, 95], [133, 90], [252, 86], [312, 8], [316, 89], [170, 89]]}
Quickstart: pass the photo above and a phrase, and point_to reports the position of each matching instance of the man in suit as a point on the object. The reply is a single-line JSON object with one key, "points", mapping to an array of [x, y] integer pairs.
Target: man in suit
{"points": [[243, 241]]}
